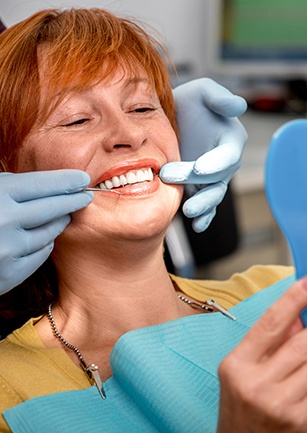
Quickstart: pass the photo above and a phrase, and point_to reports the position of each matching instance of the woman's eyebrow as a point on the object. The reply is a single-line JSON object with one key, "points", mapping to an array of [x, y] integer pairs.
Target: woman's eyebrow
{"points": [[140, 83], [135, 81]]}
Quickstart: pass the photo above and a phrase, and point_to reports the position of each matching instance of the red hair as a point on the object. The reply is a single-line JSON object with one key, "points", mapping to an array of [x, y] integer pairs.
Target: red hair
{"points": [[79, 42]]}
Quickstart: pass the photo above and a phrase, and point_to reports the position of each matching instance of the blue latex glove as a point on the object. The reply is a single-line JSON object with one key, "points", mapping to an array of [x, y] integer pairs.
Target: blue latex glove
{"points": [[211, 145], [35, 209]]}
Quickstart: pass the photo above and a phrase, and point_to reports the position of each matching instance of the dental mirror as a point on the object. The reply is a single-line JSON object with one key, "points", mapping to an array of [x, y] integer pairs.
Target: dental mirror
{"points": [[286, 190]]}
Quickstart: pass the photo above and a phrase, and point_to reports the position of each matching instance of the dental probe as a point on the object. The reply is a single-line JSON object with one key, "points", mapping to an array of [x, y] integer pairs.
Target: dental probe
{"points": [[102, 190]]}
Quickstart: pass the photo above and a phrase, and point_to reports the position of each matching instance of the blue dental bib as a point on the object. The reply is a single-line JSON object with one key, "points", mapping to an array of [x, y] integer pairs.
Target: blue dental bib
{"points": [[165, 378]]}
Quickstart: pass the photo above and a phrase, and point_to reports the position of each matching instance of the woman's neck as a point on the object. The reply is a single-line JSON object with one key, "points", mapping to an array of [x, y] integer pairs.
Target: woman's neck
{"points": [[103, 296], [112, 294]]}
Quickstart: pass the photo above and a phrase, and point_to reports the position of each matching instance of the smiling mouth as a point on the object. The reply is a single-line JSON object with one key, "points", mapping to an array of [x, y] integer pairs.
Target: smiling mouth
{"points": [[131, 177]]}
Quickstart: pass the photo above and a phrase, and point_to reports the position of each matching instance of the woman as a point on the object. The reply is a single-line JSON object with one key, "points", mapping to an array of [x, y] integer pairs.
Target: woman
{"points": [[93, 94], [213, 158]]}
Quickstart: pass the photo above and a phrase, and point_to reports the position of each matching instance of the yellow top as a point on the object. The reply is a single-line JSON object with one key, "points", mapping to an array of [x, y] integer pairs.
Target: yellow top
{"points": [[28, 369]]}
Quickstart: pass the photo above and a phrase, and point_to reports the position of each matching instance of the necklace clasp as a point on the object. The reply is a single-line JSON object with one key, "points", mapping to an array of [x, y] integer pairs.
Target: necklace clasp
{"points": [[93, 374]]}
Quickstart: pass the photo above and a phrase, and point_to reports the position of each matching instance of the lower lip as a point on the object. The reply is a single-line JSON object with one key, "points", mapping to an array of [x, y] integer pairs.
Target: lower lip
{"points": [[136, 189]]}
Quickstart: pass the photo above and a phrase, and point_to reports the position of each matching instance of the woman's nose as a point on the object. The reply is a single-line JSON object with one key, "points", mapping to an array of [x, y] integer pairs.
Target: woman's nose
{"points": [[127, 132]]}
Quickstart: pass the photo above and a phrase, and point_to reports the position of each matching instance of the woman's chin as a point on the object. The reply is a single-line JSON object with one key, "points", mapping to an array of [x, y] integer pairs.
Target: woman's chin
{"points": [[126, 219], [142, 225]]}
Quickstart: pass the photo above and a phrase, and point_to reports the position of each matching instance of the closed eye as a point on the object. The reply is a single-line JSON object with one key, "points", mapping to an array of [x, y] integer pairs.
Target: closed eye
{"points": [[143, 109], [77, 122]]}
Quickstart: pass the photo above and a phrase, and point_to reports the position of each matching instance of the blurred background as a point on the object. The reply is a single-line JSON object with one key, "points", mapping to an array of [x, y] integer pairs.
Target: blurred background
{"points": [[258, 49]]}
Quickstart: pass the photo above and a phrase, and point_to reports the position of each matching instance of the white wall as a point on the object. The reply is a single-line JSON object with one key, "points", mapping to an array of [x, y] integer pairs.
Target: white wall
{"points": [[183, 23]]}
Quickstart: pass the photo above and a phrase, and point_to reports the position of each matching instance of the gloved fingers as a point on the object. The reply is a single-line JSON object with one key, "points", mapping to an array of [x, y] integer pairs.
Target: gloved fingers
{"points": [[36, 239], [182, 173], [28, 186], [38, 212], [201, 223], [212, 95], [226, 157], [212, 167], [204, 200], [220, 100], [178, 172], [23, 267], [215, 165], [29, 252]]}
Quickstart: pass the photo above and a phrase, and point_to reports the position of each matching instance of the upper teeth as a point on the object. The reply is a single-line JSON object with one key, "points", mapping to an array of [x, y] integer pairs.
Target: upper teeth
{"points": [[128, 178]]}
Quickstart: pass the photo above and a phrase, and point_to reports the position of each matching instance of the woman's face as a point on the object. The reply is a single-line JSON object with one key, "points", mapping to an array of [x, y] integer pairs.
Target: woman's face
{"points": [[117, 132]]}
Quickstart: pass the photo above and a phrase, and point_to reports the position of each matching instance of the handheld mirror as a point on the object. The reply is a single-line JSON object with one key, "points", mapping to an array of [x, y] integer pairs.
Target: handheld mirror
{"points": [[286, 190]]}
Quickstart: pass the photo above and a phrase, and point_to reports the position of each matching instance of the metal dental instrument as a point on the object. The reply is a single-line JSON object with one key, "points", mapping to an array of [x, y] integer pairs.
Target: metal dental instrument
{"points": [[103, 190]]}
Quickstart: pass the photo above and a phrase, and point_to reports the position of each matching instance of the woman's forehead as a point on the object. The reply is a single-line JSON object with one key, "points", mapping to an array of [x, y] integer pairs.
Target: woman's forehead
{"points": [[60, 77], [54, 89]]}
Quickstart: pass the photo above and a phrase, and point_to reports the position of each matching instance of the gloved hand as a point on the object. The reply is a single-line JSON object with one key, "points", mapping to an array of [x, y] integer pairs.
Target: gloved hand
{"points": [[34, 210], [211, 145]]}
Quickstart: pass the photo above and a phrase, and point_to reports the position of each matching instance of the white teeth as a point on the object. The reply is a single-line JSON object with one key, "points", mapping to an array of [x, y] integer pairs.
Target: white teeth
{"points": [[150, 174], [140, 175], [123, 180], [115, 181], [109, 184], [130, 178]]}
